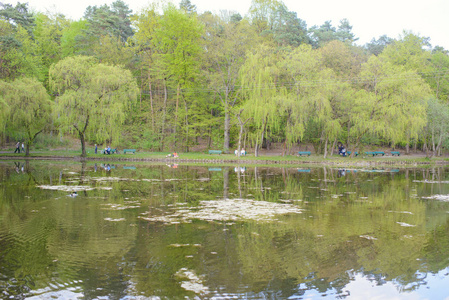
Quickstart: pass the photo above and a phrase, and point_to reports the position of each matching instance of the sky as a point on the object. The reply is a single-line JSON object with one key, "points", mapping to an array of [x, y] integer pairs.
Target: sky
{"points": [[370, 19]]}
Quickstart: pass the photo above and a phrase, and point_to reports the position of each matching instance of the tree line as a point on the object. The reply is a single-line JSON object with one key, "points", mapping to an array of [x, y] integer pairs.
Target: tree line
{"points": [[170, 78]]}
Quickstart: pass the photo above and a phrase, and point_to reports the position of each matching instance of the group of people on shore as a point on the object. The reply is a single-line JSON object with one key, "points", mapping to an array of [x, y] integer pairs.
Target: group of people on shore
{"points": [[174, 154], [342, 149], [242, 152], [106, 150], [18, 147]]}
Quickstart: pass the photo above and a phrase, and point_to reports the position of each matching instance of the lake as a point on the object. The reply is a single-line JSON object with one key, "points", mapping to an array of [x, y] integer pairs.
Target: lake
{"points": [[73, 230]]}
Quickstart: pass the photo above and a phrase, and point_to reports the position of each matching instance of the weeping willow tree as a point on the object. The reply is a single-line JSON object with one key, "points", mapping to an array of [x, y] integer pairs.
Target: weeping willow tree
{"points": [[258, 80], [313, 95], [392, 103], [28, 106], [92, 99]]}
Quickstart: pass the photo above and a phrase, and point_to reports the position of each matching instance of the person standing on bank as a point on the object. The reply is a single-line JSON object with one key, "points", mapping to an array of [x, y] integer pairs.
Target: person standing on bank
{"points": [[96, 148], [17, 148], [23, 147]]}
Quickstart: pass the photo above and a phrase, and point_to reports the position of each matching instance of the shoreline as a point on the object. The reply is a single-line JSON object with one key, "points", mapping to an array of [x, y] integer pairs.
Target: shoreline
{"points": [[408, 162]]}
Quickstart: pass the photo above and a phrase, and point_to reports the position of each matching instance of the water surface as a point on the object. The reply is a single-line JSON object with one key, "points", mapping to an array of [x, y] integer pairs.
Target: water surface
{"points": [[171, 232]]}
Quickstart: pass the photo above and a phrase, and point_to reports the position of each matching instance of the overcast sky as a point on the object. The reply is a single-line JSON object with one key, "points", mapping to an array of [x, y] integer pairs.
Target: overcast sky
{"points": [[370, 19]]}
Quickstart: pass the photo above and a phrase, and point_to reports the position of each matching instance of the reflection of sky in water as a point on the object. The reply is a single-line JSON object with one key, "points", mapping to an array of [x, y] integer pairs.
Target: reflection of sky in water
{"points": [[362, 288]]}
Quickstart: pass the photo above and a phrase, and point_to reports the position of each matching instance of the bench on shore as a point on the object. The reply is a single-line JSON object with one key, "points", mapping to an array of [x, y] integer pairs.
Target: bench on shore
{"points": [[393, 153], [214, 169], [375, 153], [133, 151], [301, 153], [215, 152], [349, 153]]}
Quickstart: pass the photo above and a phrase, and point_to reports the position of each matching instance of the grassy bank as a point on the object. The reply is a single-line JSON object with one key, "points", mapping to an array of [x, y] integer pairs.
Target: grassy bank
{"points": [[203, 158]]}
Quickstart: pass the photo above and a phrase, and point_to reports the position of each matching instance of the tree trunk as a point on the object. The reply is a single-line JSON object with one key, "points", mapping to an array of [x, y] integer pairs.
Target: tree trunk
{"points": [[325, 147], [151, 101], [240, 138], [27, 148], [186, 120], [284, 147], [176, 115], [349, 130], [164, 116], [83, 144], [333, 146], [438, 149], [426, 147], [264, 124], [186, 124], [242, 126], [81, 135], [227, 127], [407, 146], [433, 142]]}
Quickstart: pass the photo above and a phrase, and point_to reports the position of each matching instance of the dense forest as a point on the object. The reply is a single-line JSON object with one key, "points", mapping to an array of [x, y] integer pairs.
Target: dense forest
{"points": [[170, 78]]}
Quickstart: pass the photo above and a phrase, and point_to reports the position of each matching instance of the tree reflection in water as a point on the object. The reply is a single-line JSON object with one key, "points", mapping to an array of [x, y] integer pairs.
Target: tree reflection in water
{"points": [[366, 233]]}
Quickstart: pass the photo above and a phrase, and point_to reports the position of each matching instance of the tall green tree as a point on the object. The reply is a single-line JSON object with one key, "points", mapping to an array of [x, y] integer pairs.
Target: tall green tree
{"points": [[178, 51], [18, 15], [438, 75], [146, 23], [227, 43], [29, 108], [437, 124], [4, 113], [377, 46], [262, 14], [18, 54], [323, 34], [92, 98], [344, 32], [71, 39], [187, 6], [391, 105], [409, 53], [286, 28], [48, 32], [318, 98], [112, 21], [260, 89]]}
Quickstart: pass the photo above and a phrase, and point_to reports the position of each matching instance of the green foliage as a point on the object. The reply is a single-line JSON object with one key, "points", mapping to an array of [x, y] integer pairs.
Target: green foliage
{"points": [[48, 141], [17, 16], [113, 21], [92, 98], [376, 47], [438, 76], [29, 108], [198, 74], [287, 29], [70, 39], [394, 99]]}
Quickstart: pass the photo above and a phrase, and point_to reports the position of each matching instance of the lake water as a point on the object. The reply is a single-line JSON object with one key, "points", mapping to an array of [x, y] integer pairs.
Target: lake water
{"points": [[147, 231]]}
